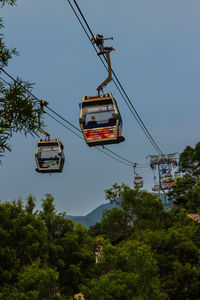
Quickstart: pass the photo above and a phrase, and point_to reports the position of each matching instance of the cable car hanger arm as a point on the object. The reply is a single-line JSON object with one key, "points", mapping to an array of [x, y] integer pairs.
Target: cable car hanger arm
{"points": [[42, 104], [99, 41]]}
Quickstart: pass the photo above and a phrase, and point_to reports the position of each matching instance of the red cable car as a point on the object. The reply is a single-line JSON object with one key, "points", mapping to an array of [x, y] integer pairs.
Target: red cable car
{"points": [[100, 120]]}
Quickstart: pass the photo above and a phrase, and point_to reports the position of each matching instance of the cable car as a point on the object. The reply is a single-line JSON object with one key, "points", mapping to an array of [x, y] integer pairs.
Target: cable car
{"points": [[168, 181], [177, 175], [138, 181], [49, 156], [155, 188], [100, 120]]}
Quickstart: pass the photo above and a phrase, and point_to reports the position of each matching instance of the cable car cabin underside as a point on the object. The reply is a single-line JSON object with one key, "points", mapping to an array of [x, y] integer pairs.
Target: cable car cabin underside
{"points": [[49, 156], [100, 120]]}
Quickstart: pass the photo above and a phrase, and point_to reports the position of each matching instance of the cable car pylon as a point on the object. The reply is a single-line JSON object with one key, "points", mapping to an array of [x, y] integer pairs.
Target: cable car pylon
{"points": [[100, 119], [49, 153]]}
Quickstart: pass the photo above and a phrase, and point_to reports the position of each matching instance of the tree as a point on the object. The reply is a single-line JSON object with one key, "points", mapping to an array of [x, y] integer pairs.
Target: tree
{"points": [[143, 209], [115, 225], [128, 271], [45, 244], [18, 109], [23, 238], [70, 248], [185, 192], [34, 282]]}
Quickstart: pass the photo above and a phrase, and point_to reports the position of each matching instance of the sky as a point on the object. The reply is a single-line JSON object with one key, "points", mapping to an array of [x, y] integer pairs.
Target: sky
{"points": [[156, 60]]}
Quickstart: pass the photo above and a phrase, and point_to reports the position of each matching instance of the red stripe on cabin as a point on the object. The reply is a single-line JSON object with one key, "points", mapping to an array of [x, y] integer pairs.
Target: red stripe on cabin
{"points": [[100, 133]]}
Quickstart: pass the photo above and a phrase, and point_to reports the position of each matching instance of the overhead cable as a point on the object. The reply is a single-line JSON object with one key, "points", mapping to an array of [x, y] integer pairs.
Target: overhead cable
{"points": [[126, 98], [124, 160]]}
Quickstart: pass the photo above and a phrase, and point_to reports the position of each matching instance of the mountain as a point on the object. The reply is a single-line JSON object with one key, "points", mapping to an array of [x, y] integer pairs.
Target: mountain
{"points": [[92, 217], [96, 215]]}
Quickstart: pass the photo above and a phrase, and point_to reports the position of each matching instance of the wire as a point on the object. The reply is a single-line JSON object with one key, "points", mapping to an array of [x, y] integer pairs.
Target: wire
{"points": [[83, 139], [19, 83], [69, 123], [65, 126], [118, 155], [113, 157], [64, 119], [126, 98], [4, 81]]}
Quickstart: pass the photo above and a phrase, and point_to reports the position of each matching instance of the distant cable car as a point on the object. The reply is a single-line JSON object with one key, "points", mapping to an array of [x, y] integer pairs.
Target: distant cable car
{"points": [[155, 188], [177, 175], [49, 154], [99, 119], [168, 180], [138, 181]]}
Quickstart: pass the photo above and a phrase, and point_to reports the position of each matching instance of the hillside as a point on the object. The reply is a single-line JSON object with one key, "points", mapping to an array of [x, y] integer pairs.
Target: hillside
{"points": [[96, 215], [93, 217]]}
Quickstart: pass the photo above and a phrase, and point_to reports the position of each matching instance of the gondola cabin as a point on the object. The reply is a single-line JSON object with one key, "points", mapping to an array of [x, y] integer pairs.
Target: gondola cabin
{"points": [[100, 120], [168, 181], [49, 156], [138, 181], [177, 175], [155, 188]]}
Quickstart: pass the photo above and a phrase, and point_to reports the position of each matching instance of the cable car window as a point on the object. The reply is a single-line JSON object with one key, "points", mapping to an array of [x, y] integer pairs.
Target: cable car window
{"points": [[48, 152], [49, 164], [96, 103], [98, 114], [100, 118]]}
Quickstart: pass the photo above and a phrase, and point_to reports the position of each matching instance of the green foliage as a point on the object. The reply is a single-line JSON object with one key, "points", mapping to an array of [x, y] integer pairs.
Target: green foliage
{"points": [[142, 209], [185, 193], [10, 2], [128, 272], [42, 254], [147, 252], [18, 110], [115, 225], [95, 229], [38, 282]]}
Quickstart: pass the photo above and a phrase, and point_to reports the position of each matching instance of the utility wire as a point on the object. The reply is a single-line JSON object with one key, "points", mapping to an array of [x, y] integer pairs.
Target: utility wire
{"points": [[133, 110], [64, 119], [64, 125], [19, 83], [122, 162], [118, 155], [3, 80]]}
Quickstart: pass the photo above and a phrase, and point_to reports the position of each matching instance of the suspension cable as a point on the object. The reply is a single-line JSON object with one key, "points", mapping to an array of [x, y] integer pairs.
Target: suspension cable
{"points": [[124, 160], [126, 98]]}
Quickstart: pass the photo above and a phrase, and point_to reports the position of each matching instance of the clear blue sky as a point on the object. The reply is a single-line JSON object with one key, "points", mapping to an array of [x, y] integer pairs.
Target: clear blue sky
{"points": [[157, 61]]}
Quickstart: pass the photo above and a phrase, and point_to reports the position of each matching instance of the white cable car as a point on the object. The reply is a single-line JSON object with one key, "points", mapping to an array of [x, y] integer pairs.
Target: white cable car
{"points": [[155, 188], [168, 181], [100, 120], [138, 181], [177, 175], [49, 156]]}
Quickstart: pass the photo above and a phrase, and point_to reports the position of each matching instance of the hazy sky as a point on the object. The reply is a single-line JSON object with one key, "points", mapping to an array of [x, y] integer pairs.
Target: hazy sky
{"points": [[157, 61]]}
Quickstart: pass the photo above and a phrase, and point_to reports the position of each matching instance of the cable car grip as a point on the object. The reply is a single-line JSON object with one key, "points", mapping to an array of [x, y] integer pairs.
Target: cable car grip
{"points": [[42, 104]]}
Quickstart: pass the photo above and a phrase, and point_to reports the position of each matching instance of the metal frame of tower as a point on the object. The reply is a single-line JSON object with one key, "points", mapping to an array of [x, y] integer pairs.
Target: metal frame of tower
{"points": [[163, 162]]}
